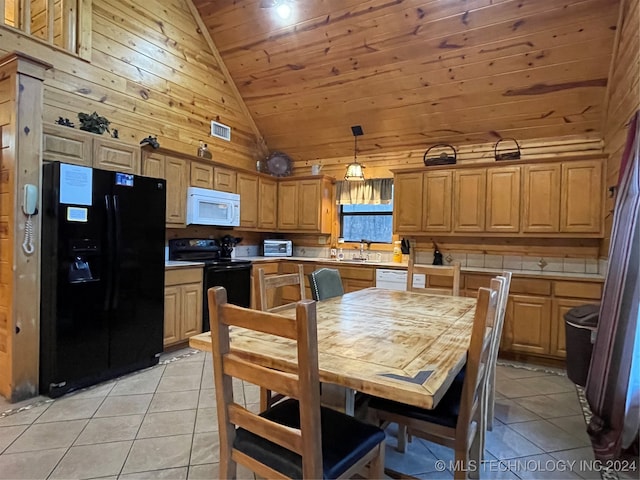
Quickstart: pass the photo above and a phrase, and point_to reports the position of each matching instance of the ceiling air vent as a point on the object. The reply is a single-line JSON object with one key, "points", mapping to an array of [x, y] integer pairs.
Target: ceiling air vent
{"points": [[221, 131]]}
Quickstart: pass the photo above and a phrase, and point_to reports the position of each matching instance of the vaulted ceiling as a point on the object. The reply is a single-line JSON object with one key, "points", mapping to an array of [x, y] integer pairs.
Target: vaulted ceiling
{"points": [[415, 73]]}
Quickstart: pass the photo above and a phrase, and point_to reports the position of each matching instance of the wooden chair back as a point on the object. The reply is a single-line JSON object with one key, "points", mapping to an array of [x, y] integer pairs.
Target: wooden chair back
{"points": [[452, 271], [503, 297], [466, 436], [303, 384], [272, 282]]}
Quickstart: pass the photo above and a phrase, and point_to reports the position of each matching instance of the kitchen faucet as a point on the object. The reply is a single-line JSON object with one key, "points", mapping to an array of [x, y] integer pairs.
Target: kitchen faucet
{"points": [[363, 257]]}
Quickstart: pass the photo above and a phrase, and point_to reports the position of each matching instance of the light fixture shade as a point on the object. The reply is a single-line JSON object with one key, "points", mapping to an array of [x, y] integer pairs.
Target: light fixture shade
{"points": [[354, 173]]}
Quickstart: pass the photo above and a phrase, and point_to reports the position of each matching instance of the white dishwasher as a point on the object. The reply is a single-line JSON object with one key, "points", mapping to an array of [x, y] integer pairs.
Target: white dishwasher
{"points": [[391, 279]]}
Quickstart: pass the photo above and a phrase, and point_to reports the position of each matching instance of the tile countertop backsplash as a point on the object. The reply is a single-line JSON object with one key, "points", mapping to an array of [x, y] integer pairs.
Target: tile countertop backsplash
{"points": [[470, 262]]}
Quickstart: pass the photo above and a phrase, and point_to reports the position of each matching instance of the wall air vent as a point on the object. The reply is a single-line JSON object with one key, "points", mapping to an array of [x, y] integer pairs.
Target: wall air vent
{"points": [[221, 131]]}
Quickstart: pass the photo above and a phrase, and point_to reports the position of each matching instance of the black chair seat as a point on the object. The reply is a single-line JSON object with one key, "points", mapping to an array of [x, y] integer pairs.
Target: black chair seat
{"points": [[345, 440], [446, 413]]}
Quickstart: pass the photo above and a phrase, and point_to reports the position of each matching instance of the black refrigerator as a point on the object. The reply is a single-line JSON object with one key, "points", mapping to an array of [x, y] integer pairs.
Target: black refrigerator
{"points": [[102, 278]]}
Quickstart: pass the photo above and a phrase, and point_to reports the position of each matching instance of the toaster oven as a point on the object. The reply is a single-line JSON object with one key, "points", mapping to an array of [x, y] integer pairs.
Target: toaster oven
{"points": [[278, 248]]}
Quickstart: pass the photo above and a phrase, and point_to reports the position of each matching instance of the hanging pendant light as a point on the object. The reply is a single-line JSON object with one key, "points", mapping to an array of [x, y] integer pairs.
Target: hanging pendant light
{"points": [[355, 172]]}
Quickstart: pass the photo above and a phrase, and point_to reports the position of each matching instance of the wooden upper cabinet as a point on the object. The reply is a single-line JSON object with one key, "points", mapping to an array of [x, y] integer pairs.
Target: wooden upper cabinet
{"points": [[305, 205], [436, 205], [177, 176], [224, 180], [407, 202], [201, 175], [503, 199], [247, 188], [176, 172], [287, 205], [114, 155], [64, 144], [581, 197], [541, 198], [469, 187], [267, 204]]}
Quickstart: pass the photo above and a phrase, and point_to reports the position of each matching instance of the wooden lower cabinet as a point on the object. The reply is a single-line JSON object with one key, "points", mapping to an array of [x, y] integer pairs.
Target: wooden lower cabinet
{"points": [[526, 325], [182, 305]]}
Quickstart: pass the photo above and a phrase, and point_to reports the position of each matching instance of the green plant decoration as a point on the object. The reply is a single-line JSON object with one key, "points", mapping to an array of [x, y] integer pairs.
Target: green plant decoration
{"points": [[93, 123]]}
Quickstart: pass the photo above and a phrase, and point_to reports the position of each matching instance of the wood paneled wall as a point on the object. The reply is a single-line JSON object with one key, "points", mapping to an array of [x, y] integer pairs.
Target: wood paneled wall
{"points": [[151, 72], [623, 99], [20, 158]]}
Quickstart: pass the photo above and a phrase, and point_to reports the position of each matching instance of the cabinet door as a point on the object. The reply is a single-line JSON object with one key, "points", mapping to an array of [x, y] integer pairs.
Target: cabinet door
{"points": [[248, 189], [469, 200], [191, 318], [437, 201], [541, 198], [267, 217], [64, 144], [153, 165], [117, 156], [177, 176], [558, 337], [581, 197], [288, 205], [407, 202], [201, 175], [503, 200], [309, 204], [527, 325], [172, 314], [224, 180]]}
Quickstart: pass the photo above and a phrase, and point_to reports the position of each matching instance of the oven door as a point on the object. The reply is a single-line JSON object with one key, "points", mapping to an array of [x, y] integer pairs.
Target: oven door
{"points": [[236, 279]]}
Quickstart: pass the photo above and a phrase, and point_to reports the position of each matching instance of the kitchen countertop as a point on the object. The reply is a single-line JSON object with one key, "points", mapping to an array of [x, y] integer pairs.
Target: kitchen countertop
{"points": [[595, 277]]}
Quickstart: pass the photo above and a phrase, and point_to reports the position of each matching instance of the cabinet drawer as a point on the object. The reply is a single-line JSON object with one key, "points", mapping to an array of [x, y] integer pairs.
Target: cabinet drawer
{"points": [[290, 267], [355, 273], [530, 286], [474, 282], [269, 268], [183, 275], [577, 289]]}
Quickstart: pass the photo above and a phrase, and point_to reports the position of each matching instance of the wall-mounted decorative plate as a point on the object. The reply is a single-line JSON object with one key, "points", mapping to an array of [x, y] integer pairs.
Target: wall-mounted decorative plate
{"points": [[279, 164]]}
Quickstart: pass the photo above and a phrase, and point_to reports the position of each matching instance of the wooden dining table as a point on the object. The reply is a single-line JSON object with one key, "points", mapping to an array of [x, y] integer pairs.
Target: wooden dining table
{"points": [[402, 346]]}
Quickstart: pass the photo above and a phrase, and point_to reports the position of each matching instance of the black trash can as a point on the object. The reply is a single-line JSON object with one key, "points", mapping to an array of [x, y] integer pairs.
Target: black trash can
{"points": [[579, 323]]}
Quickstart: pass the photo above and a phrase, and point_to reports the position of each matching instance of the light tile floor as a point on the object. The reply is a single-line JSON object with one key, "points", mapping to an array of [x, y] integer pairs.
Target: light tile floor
{"points": [[161, 423]]}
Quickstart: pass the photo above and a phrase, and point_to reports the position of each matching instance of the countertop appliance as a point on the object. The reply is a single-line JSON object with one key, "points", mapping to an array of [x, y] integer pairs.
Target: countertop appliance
{"points": [[277, 248], [231, 273], [102, 278], [212, 207]]}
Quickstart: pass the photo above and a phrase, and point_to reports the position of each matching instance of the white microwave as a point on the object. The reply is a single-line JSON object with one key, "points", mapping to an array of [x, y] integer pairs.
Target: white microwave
{"points": [[278, 248], [212, 207]]}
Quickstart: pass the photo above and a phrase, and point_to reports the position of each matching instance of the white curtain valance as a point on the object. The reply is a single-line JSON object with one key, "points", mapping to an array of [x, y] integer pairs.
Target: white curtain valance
{"points": [[370, 192]]}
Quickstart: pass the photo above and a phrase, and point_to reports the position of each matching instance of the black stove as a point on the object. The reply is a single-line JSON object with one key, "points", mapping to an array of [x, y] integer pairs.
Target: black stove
{"points": [[202, 250], [231, 273]]}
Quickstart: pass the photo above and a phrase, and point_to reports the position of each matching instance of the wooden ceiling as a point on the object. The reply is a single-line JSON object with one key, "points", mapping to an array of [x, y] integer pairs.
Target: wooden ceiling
{"points": [[415, 73]]}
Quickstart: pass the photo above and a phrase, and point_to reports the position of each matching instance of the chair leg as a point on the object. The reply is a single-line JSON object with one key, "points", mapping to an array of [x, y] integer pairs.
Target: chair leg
{"points": [[376, 466], [227, 468], [491, 399], [475, 454], [402, 438]]}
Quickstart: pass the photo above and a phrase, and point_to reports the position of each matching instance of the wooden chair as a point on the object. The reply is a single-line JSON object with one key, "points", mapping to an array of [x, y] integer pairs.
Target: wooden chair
{"points": [[495, 347], [458, 417], [325, 283], [273, 282], [428, 271], [284, 441]]}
